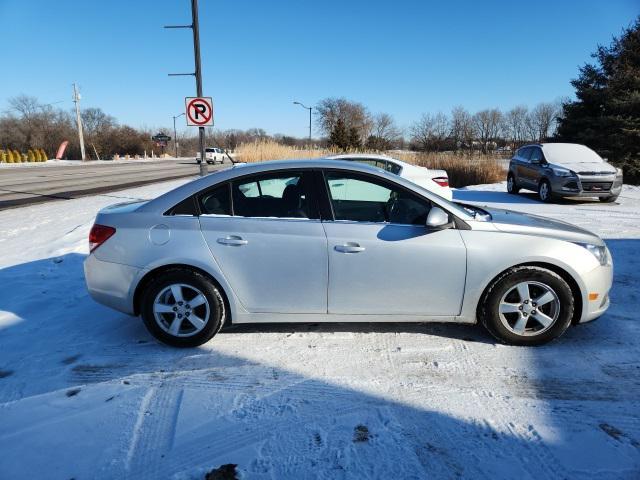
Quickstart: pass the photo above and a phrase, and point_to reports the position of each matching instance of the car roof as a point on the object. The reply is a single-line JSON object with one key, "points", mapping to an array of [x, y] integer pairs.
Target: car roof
{"points": [[169, 199]]}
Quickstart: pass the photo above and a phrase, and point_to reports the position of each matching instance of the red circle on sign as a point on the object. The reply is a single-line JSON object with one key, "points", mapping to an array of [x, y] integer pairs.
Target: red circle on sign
{"points": [[206, 118]]}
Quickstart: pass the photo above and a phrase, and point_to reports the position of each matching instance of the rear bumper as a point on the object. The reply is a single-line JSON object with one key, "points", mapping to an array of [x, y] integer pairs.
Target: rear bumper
{"points": [[110, 284]]}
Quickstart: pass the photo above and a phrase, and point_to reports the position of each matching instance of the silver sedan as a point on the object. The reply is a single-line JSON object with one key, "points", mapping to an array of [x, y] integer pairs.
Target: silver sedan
{"points": [[332, 241]]}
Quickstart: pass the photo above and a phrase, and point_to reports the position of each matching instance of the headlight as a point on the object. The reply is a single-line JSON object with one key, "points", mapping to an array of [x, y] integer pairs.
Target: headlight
{"points": [[619, 171], [562, 172], [600, 252]]}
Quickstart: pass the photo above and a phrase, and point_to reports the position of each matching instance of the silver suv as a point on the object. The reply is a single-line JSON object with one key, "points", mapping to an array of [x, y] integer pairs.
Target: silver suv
{"points": [[563, 170]]}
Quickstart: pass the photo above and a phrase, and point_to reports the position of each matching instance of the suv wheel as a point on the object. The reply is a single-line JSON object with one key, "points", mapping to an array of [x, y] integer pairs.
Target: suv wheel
{"points": [[527, 306], [182, 308], [544, 191], [512, 186]]}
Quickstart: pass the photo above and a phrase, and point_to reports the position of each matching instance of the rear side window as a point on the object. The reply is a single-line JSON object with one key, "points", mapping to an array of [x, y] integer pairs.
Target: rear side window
{"points": [[283, 195], [216, 201]]}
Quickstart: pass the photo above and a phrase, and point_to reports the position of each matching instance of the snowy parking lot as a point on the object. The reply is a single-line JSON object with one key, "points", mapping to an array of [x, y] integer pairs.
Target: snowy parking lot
{"points": [[86, 392]]}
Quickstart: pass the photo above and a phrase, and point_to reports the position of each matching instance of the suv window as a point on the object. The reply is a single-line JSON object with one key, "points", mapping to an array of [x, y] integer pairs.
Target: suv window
{"points": [[536, 155], [361, 198], [216, 201], [524, 153], [284, 195]]}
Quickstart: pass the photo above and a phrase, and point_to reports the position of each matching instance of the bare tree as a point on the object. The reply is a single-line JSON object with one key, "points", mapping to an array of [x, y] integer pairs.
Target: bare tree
{"points": [[487, 126], [543, 120], [430, 132], [461, 127], [353, 115], [516, 125], [384, 132]]}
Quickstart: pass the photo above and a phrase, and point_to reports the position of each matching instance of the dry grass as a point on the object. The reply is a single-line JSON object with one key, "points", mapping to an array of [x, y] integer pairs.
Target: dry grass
{"points": [[463, 169], [268, 150]]}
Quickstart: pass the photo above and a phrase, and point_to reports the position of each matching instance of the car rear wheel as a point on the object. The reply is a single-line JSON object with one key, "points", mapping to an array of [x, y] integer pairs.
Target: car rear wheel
{"points": [[527, 306], [610, 199], [544, 191], [182, 308], [512, 186]]}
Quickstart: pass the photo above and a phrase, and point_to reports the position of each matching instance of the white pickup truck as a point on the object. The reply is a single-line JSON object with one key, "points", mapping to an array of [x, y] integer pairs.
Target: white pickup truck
{"points": [[213, 155]]}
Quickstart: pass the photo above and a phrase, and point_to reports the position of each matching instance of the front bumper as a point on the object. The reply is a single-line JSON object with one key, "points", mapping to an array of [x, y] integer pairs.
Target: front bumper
{"points": [[110, 284], [588, 186], [597, 282]]}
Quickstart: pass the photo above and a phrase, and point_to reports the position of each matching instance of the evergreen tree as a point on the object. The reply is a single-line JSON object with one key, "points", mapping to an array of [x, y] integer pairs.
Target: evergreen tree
{"points": [[354, 138], [339, 136], [606, 113]]}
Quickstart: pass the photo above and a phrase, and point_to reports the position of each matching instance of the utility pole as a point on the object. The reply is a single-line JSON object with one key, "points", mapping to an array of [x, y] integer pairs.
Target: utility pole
{"points": [[76, 100], [308, 108], [195, 26], [175, 135]]}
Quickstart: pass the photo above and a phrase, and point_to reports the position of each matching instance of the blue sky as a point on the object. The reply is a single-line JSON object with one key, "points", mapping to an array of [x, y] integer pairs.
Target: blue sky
{"points": [[401, 57]]}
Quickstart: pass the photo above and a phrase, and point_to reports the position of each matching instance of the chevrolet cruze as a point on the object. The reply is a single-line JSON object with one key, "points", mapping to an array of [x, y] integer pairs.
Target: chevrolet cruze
{"points": [[333, 241]]}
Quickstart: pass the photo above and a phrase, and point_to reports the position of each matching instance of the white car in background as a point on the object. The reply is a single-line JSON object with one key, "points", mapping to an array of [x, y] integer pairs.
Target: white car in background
{"points": [[213, 155], [436, 181]]}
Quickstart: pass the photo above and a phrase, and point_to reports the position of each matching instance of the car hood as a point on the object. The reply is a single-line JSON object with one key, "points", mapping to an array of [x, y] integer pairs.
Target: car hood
{"points": [[525, 223], [586, 167]]}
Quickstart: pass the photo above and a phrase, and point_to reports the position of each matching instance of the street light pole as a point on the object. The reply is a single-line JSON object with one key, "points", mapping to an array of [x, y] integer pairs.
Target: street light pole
{"points": [[175, 135], [308, 108]]}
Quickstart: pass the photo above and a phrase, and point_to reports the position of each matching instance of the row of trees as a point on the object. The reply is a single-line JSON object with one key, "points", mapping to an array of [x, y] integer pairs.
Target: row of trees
{"points": [[350, 125]]}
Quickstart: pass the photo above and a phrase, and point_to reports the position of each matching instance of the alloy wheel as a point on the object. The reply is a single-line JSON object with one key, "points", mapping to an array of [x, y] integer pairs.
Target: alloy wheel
{"points": [[181, 310], [529, 308]]}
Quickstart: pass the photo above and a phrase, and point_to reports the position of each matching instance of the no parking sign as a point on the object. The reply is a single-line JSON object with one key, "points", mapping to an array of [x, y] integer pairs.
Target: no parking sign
{"points": [[199, 111]]}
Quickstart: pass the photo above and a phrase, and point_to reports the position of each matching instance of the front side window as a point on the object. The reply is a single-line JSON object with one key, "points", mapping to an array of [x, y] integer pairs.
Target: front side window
{"points": [[536, 156], [524, 153], [284, 195], [362, 198]]}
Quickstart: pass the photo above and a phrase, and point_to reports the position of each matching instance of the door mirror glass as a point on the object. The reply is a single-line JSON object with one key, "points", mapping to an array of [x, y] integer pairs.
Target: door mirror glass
{"points": [[438, 219]]}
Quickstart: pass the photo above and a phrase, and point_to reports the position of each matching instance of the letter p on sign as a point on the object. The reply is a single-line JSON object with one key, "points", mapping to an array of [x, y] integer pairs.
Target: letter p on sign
{"points": [[199, 111]]}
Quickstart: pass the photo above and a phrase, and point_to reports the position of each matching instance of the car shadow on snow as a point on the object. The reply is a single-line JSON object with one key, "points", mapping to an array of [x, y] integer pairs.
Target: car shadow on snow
{"points": [[491, 412]]}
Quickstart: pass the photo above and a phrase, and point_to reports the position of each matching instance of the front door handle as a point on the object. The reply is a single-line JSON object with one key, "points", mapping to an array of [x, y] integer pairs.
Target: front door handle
{"points": [[349, 247], [233, 240]]}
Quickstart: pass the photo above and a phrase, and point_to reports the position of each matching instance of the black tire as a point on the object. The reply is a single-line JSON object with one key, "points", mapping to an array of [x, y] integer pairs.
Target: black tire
{"points": [[489, 314], [512, 185], [191, 279], [545, 196], [610, 199]]}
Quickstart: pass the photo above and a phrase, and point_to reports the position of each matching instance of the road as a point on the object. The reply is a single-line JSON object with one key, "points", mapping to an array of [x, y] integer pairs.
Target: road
{"points": [[35, 184]]}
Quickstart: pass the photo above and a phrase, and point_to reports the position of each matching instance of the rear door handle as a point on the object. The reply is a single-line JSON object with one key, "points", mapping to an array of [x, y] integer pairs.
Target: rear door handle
{"points": [[233, 240], [350, 247]]}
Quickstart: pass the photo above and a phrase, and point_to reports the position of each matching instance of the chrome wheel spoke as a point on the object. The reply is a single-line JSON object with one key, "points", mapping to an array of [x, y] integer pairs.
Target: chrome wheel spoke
{"points": [[523, 291], [544, 320], [174, 328], [176, 291], [197, 301], [544, 298], [196, 322], [163, 308], [506, 307], [521, 325]]}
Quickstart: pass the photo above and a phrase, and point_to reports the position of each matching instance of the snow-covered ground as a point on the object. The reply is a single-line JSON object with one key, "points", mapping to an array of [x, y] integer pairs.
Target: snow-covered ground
{"points": [[85, 392]]}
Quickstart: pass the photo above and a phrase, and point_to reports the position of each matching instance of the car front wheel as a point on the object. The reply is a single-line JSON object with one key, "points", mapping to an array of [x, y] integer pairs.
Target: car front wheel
{"points": [[182, 308], [544, 191], [512, 186], [527, 306]]}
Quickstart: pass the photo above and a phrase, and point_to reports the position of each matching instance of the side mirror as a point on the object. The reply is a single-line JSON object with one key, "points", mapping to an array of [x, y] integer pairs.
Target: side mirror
{"points": [[438, 219]]}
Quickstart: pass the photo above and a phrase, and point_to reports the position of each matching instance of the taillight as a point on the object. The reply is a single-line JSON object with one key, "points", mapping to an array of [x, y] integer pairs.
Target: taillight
{"points": [[98, 235], [442, 181]]}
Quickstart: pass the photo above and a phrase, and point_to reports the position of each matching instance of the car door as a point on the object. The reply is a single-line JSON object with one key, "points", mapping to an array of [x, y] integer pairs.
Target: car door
{"points": [[382, 258], [264, 231], [522, 166], [535, 166]]}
